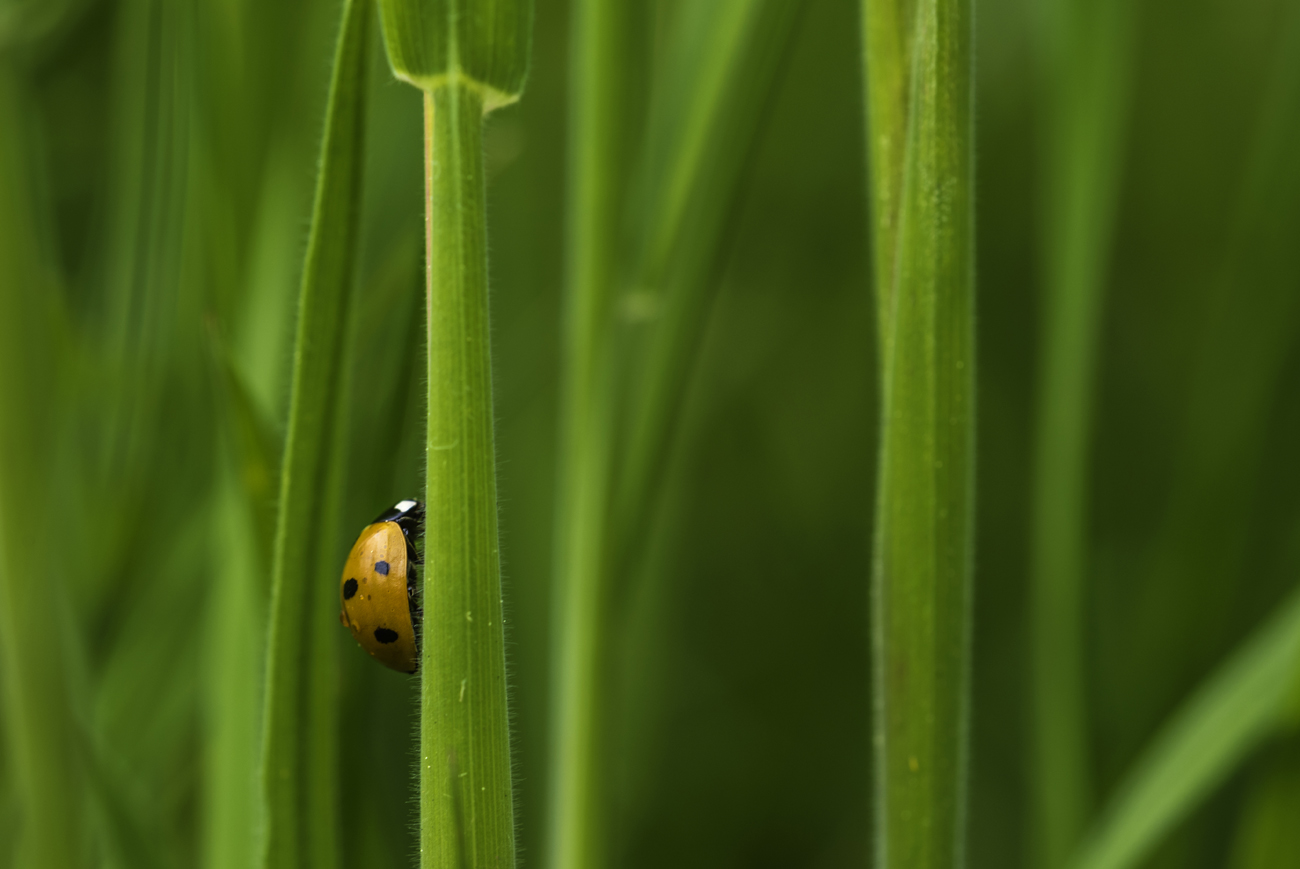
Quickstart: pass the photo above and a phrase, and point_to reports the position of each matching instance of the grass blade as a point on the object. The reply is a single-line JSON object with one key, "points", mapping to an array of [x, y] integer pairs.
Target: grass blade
{"points": [[921, 582], [1086, 51], [1244, 701], [235, 669], [295, 705], [469, 58], [1244, 347], [141, 278], [466, 791], [604, 34], [39, 724], [720, 68], [385, 465], [729, 54], [1238, 706]]}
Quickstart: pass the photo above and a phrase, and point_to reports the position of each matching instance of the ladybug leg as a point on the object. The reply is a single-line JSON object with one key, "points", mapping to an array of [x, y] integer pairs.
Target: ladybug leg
{"points": [[412, 526], [413, 604], [412, 554]]}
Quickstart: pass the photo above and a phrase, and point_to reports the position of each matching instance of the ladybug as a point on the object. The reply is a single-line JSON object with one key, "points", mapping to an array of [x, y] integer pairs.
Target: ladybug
{"points": [[378, 587]]}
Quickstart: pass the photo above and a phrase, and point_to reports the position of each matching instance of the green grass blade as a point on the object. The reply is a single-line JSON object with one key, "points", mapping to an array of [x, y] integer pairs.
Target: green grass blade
{"points": [[234, 672], [152, 662], [243, 519], [721, 78], [921, 582], [468, 59], [37, 706], [604, 35], [719, 70], [1239, 705], [1212, 526], [139, 272], [1086, 51], [295, 820], [1244, 701], [122, 838], [466, 791]]}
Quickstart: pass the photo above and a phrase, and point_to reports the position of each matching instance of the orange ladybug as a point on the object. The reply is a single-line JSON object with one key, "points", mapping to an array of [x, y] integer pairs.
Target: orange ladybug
{"points": [[378, 587]]}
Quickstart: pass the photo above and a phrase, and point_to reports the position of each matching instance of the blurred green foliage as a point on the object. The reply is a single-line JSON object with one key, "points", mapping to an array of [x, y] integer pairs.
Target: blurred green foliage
{"points": [[157, 159]]}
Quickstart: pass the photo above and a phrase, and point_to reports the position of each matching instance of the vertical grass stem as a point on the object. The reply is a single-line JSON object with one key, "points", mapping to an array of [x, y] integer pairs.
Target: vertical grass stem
{"points": [[598, 84], [38, 726], [921, 583], [466, 797], [1085, 47]]}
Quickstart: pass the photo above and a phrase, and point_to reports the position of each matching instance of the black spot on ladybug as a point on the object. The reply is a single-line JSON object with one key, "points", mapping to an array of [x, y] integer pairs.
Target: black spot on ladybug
{"points": [[381, 567], [349, 589], [384, 635]]}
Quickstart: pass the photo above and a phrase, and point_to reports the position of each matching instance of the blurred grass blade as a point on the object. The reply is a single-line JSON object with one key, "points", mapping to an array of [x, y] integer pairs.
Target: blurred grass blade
{"points": [[1246, 337], [385, 465], [719, 71], [386, 462], [236, 666], [921, 582], [300, 830], [464, 723], [33, 615], [243, 519], [482, 45], [721, 74], [601, 85], [152, 663], [139, 271], [1246, 700], [124, 840], [1086, 48]]}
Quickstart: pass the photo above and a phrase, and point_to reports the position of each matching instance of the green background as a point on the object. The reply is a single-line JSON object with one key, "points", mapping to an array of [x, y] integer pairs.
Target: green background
{"points": [[172, 151]]}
